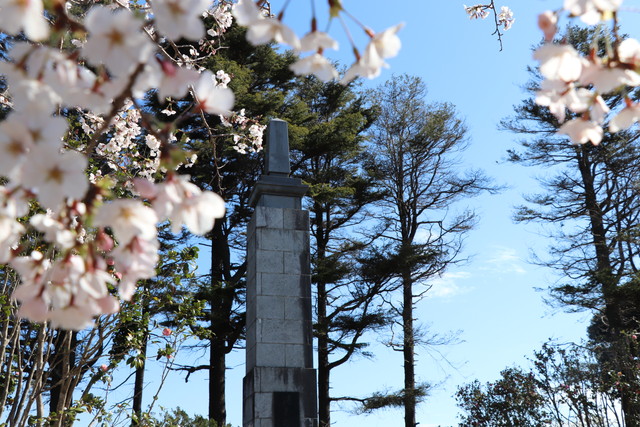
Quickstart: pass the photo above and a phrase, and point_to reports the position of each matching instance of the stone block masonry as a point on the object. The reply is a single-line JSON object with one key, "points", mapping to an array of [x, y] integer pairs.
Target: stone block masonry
{"points": [[280, 383], [278, 292]]}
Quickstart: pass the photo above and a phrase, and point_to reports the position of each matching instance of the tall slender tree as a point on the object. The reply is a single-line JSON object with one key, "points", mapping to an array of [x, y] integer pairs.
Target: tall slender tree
{"points": [[328, 154], [415, 148]]}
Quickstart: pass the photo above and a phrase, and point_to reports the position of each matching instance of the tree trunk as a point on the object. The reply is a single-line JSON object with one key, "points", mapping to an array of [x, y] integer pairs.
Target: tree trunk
{"points": [[58, 368], [217, 371], [623, 359], [221, 304], [61, 393], [138, 386], [322, 326], [324, 402], [408, 351]]}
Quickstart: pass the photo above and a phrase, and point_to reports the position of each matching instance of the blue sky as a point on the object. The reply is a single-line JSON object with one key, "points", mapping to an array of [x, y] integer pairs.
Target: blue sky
{"points": [[491, 299]]}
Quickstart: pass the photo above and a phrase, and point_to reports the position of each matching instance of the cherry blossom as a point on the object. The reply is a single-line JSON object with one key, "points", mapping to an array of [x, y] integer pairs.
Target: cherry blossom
{"points": [[387, 43], [316, 40], [591, 11], [31, 95], [246, 12], [15, 144], [184, 203], [43, 130], [477, 12], [317, 65], [127, 219], [180, 18], [95, 279], [629, 52], [625, 118], [587, 77], [76, 316], [62, 278], [31, 292], [116, 39], [24, 15], [582, 131], [33, 307], [605, 79], [559, 62], [222, 78], [31, 268], [265, 30], [368, 65], [88, 92], [212, 98], [248, 138], [224, 19], [13, 202], [55, 176], [10, 232], [261, 29], [599, 110], [134, 261], [558, 96], [54, 231], [170, 79], [505, 17]]}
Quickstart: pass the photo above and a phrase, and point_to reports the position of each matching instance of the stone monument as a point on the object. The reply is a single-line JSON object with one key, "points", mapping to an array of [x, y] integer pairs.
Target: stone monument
{"points": [[280, 383]]}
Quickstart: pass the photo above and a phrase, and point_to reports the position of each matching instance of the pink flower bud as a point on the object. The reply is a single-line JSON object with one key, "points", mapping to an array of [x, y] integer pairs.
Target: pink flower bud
{"points": [[168, 67], [104, 241], [104, 368], [547, 23], [166, 332]]}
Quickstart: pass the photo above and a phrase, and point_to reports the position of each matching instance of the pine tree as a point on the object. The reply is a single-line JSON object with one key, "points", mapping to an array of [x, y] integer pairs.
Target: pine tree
{"points": [[590, 198], [328, 154], [415, 148]]}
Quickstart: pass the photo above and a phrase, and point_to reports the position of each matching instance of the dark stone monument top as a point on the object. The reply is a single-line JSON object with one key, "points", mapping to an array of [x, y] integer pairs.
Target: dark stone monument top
{"points": [[275, 188], [277, 150]]}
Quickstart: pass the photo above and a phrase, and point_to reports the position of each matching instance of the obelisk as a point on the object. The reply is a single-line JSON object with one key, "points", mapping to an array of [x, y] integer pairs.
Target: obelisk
{"points": [[280, 383]]}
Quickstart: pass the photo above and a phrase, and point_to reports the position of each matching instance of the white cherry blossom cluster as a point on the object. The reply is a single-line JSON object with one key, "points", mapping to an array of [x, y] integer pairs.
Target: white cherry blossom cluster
{"points": [[504, 18], [577, 83], [479, 11], [223, 17], [93, 237], [247, 133], [264, 28], [69, 290]]}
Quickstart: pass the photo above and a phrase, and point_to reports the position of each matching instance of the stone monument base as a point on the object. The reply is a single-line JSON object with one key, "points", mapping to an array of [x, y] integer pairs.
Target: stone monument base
{"points": [[280, 403]]}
